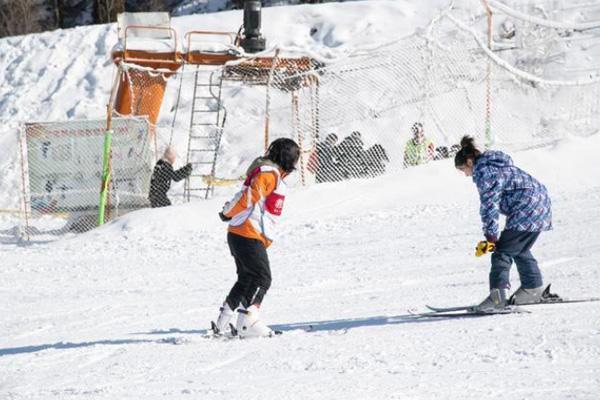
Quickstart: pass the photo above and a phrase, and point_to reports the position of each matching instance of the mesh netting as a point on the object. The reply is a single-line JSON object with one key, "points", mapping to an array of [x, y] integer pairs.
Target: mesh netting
{"points": [[63, 169], [548, 40], [387, 108]]}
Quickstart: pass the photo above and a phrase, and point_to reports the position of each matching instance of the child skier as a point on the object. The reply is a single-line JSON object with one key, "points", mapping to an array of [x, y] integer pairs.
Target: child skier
{"points": [[508, 190], [252, 215]]}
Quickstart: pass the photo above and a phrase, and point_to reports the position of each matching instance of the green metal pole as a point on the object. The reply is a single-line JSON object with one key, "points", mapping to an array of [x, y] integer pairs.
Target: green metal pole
{"points": [[106, 154], [105, 176]]}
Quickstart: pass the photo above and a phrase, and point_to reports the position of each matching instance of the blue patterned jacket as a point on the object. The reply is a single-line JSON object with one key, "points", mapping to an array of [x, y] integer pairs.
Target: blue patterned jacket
{"points": [[508, 190]]}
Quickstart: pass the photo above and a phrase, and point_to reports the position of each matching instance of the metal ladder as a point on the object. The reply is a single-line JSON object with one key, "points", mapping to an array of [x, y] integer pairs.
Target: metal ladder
{"points": [[207, 120]]}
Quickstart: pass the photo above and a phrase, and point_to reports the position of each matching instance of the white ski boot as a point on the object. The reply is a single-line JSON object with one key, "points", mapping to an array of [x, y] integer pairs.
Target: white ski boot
{"points": [[222, 324], [249, 324], [496, 300], [527, 296]]}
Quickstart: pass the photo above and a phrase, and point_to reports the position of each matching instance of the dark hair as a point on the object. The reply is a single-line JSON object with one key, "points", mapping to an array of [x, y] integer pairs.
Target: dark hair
{"points": [[467, 151], [417, 126], [331, 136], [285, 153]]}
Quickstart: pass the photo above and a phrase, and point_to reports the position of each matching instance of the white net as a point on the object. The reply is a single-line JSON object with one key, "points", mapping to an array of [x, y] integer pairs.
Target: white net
{"points": [[63, 171], [547, 46], [382, 109], [390, 107], [216, 117], [410, 102]]}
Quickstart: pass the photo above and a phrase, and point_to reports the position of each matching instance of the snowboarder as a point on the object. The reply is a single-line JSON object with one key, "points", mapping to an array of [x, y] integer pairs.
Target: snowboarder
{"points": [[163, 174], [252, 215], [508, 190], [419, 149]]}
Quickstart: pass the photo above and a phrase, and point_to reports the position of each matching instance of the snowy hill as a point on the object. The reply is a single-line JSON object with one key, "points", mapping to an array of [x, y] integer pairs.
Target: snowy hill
{"points": [[120, 311]]}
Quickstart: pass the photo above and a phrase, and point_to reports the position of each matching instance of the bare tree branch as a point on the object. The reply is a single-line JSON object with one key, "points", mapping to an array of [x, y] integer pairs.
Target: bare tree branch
{"points": [[107, 10], [18, 17]]}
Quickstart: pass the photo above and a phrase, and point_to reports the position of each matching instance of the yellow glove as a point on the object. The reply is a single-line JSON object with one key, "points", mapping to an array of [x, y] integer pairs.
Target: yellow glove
{"points": [[484, 247]]}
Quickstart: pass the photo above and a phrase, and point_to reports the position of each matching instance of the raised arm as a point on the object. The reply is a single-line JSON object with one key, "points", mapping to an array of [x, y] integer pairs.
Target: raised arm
{"points": [[182, 173]]}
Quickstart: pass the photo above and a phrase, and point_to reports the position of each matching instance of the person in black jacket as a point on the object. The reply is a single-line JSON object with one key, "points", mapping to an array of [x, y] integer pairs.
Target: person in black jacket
{"points": [[350, 154], [162, 176], [327, 166], [375, 160]]}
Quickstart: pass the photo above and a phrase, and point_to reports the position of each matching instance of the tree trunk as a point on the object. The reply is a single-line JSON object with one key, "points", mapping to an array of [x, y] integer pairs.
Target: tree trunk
{"points": [[18, 17], [107, 10]]}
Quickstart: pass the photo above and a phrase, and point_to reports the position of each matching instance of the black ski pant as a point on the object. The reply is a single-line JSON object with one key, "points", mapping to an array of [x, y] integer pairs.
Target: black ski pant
{"points": [[515, 246], [253, 271]]}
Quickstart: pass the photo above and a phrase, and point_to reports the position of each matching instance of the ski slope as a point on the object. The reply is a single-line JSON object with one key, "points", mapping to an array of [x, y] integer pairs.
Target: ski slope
{"points": [[120, 312]]}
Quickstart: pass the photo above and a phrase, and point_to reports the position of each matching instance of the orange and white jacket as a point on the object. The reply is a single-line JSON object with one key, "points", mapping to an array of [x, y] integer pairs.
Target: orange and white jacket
{"points": [[255, 210]]}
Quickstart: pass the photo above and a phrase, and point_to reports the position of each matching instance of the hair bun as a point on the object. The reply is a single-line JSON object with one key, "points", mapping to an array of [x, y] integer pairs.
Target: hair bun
{"points": [[467, 142], [467, 151]]}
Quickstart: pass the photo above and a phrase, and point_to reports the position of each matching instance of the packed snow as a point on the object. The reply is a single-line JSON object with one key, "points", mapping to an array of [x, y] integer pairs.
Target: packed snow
{"points": [[122, 311]]}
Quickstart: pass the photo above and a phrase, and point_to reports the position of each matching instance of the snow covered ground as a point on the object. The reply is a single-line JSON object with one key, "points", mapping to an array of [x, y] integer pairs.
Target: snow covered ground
{"points": [[121, 312]]}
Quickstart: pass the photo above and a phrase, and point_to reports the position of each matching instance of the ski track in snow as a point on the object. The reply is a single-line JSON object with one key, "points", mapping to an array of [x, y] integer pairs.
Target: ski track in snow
{"points": [[123, 311]]}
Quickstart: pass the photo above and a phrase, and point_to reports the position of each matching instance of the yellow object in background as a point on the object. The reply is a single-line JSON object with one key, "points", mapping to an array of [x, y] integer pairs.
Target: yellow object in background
{"points": [[214, 181]]}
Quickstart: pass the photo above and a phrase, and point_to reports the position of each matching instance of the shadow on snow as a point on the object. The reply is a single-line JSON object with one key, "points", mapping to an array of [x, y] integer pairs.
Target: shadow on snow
{"points": [[312, 326], [70, 345], [321, 326]]}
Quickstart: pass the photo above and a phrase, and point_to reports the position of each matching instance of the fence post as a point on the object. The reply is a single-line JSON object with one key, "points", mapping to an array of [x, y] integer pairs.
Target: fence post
{"points": [[488, 90]]}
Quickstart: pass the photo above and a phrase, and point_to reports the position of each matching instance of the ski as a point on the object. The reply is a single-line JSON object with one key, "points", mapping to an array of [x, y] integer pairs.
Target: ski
{"points": [[214, 332], [450, 309], [471, 312], [547, 298], [471, 307]]}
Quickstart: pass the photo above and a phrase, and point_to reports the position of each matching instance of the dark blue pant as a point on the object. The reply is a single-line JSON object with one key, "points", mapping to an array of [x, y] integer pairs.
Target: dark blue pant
{"points": [[514, 245]]}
